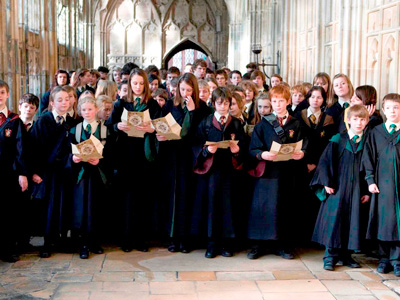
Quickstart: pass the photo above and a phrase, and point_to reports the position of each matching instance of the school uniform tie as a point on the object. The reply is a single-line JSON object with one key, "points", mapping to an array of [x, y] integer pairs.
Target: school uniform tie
{"points": [[2, 118], [281, 119], [346, 105], [89, 130], [354, 139], [313, 119], [186, 121], [222, 122], [137, 105], [60, 119], [393, 126]]}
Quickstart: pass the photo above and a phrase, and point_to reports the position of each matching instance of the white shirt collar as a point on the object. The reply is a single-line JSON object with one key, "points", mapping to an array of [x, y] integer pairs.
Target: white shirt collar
{"points": [[55, 114], [94, 125], [285, 116], [247, 106], [352, 134], [218, 116], [387, 125], [316, 114], [5, 111], [341, 102], [293, 107], [71, 113]]}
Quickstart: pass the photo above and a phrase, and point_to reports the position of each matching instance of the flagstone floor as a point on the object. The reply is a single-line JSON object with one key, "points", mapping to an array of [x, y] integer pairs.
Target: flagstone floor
{"points": [[160, 275]]}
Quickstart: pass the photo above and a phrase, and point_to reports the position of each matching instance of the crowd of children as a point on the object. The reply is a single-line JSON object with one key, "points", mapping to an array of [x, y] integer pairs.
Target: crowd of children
{"points": [[338, 187]]}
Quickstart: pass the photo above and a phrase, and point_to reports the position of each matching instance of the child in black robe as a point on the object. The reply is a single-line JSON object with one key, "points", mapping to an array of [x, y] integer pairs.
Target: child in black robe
{"points": [[338, 183], [381, 159], [13, 173], [89, 181], [53, 183], [272, 210], [212, 211], [318, 127], [133, 158], [175, 165], [28, 107]]}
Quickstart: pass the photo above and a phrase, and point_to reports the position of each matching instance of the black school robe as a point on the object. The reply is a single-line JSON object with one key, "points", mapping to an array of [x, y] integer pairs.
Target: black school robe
{"points": [[212, 209], [318, 137], [89, 187], [338, 221], [174, 165], [273, 208], [336, 111], [12, 162], [381, 161], [50, 160], [133, 184]]}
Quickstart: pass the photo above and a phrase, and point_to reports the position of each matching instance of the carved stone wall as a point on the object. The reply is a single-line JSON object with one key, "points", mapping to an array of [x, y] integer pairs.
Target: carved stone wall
{"points": [[29, 50], [144, 32]]}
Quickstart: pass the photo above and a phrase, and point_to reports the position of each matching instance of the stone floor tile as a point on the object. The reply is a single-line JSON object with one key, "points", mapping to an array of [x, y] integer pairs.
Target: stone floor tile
{"points": [[72, 277], [291, 286], [355, 297], [54, 265], [227, 295], [80, 287], [374, 285], [393, 284], [386, 295], [299, 296], [345, 287], [155, 276], [172, 288], [364, 276], [328, 275], [4, 267], [71, 296], [29, 257], [131, 287], [46, 293], [292, 275], [229, 286], [119, 295], [59, 256], [173, 297], [196, 276], [22, 265], [245, 276], [113, 276], [389, 276], [28, 286]]}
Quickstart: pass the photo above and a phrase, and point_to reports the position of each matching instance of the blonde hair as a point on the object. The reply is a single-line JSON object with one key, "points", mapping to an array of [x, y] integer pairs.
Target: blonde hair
{"points": [[203, 84], [299, 88], [102, 99], [106, 87], [331, 97], [85, 100]]}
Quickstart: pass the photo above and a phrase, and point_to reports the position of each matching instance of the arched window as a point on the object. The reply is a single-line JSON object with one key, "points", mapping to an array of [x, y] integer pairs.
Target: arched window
{"points": [[62, 22]]}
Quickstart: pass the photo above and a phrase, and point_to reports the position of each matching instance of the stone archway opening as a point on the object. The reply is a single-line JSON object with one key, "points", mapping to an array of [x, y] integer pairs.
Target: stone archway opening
{"points": [[184, 53]]}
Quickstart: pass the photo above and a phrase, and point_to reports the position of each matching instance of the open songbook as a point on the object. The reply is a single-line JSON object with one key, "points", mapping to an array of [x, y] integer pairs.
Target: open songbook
{"points": [[167, 126], [91, 148], [135, 118], [285, 151]]}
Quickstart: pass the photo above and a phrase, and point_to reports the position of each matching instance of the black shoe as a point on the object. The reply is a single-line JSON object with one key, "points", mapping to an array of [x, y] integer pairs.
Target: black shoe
{"points": [[350, 262], [173, 247], [126, 248], [96, 249], [84, 252], [184, 248], [211, 252], [329, 265], [396, 270], [384, 267], [226, 252], [143, 247], [285, 253], [9, 257], [254, 253], [45, 252]]}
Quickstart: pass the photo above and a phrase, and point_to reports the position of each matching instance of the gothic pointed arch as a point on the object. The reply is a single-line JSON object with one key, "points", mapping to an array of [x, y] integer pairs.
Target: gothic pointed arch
{"points": [[183, 45]]}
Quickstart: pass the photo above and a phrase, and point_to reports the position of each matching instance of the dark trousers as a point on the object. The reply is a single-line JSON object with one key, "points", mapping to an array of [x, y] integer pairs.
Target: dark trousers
{"points": [[336, 254], [389, 252]]}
